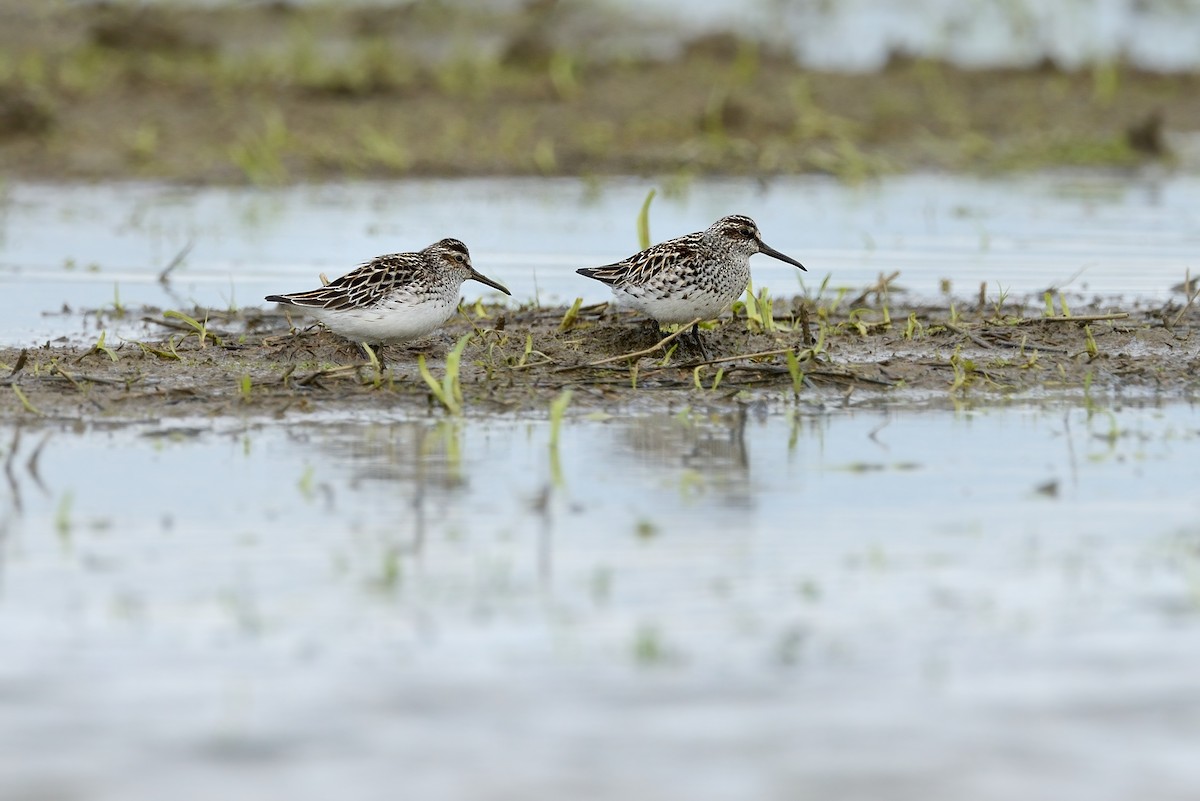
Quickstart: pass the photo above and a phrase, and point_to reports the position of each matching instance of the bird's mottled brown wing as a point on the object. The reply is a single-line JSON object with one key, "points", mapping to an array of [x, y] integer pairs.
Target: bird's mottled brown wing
{"points": [[610, 274], [649, 265], [362, 287]]}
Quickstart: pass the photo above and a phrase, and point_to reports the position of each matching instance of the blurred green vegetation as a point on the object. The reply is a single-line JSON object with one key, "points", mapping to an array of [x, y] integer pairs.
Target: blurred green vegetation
{"points": [[276, 93]]}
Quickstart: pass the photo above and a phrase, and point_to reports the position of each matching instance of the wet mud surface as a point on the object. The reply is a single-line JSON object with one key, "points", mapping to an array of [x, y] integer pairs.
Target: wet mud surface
{"points": [[861, 350]]}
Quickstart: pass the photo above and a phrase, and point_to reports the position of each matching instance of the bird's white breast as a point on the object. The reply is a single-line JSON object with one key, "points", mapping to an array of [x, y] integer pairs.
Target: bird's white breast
{"points": [[397, 319]]}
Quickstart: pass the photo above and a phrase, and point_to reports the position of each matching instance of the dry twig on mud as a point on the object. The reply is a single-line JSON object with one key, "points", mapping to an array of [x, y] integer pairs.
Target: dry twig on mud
{"points": [[1074, 318], [637, 354], [961, 331], [880, 287], [164, 277], [1191, 293]]}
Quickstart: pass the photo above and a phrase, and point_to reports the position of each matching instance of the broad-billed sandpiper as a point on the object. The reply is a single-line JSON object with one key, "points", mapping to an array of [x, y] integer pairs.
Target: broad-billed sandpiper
{"points": [[695, 276], [393, 298]]}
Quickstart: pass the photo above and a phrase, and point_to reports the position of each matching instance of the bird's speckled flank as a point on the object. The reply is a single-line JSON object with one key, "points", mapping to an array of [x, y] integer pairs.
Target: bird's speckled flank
{"points": [[393, 298]]}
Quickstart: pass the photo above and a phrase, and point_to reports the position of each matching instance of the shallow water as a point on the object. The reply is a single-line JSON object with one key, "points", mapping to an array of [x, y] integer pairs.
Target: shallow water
{"points": [[986, 603], [95, 246], [862, 34], [772, 602]]}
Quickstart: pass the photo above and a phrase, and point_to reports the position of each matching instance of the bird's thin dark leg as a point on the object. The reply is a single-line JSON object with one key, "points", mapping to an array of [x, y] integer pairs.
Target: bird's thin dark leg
{"points": [[698, 342]]}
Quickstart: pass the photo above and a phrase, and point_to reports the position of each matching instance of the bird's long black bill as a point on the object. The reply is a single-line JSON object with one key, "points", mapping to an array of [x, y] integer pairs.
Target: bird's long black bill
{"points": [[775, 254], [483, 279]]}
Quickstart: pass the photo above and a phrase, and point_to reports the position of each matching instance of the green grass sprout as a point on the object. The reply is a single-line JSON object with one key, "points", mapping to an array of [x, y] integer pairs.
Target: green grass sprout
{"points": [[643, 221], [568, 320], [793, 366], [200, 329], [449, 390]]}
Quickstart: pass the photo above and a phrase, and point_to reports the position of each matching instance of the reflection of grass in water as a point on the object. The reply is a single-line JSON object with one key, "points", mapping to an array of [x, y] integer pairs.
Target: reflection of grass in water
{"points": [[878, 467], [306, 484], [558, 408], [447, 433], [648, 646], [391, 572], [62, 516]]}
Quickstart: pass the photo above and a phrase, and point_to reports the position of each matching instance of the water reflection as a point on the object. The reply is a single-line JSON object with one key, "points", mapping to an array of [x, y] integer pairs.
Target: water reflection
{"points": [[693, 448], [411, 468], [863, 35], [22, 471], [403, 454], [445, 573]]}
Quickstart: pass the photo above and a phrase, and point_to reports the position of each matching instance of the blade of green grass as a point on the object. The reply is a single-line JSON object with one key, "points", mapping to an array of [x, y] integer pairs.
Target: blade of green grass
{"points": [[643, 220]]}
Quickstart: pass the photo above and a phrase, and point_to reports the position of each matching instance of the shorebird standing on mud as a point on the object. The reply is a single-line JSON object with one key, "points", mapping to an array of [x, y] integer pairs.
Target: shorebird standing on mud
{"points": [[394, 298], [696, 276]]}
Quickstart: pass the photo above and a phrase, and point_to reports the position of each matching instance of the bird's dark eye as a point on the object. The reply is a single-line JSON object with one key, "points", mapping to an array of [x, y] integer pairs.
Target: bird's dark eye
{"points": [[747, 232], [458, 257]]}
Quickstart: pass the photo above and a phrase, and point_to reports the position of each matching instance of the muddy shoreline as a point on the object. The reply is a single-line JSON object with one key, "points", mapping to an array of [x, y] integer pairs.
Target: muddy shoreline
{"points": [[276, 94], [871, 348]]}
